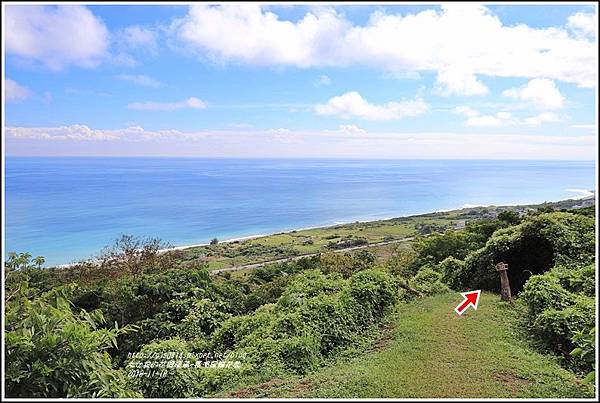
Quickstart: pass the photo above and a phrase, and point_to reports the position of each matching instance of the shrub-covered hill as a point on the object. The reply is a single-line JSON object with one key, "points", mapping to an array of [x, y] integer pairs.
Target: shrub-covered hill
{"points": [[90, 331]]}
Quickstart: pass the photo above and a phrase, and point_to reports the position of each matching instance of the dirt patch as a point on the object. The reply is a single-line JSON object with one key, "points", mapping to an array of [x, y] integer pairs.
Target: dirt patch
{"points": [[387, 334], [303, 386], [513, 382], [252, 390]]}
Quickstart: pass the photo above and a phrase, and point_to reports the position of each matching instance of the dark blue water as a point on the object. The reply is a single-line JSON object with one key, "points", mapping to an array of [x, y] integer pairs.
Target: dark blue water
{"points": [[69, 208]]}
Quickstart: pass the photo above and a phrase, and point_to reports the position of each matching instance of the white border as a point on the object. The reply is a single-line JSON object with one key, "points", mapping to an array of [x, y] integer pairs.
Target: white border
{"points": [[275, 3]]}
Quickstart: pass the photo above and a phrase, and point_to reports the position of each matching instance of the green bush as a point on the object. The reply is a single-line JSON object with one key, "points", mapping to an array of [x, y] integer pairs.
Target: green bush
{"points": [[451, 270], [300, 354], [429, 281], [584, 353], [53, 352], [556, 327], [543, 292], [171, 369]]}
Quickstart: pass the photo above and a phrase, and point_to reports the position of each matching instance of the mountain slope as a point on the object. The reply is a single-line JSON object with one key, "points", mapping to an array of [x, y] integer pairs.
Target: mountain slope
{"points": [[431, 352]]}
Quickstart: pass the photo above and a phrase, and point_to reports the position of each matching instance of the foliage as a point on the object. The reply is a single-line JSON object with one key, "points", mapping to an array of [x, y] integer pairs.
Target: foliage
{"points": [[585, 351], [510, 217], [559, 317], [428, 281], [179, 376], [134, 256], [53, 352], [403, 262], [450, 269]]}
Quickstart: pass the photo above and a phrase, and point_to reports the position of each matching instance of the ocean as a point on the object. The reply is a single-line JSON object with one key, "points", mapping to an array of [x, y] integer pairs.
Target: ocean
{"points": [[67, 209]]}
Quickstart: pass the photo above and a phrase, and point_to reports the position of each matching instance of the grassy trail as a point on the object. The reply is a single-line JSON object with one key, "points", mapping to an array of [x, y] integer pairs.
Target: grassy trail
{"points": [[431, 352]]}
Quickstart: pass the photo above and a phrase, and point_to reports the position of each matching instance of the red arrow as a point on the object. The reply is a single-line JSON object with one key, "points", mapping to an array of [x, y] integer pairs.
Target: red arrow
{"points": [[471, 299]]}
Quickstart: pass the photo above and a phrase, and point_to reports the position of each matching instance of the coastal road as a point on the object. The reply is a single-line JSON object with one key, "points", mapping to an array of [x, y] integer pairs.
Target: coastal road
{"points": [[286, 259]]}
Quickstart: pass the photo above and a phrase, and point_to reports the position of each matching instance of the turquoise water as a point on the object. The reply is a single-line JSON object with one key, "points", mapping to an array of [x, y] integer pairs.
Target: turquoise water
{"points": [[69, 208]]}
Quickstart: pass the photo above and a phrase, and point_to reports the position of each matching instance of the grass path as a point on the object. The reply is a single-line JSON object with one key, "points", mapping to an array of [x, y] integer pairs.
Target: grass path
{"points": [[431, 352]]}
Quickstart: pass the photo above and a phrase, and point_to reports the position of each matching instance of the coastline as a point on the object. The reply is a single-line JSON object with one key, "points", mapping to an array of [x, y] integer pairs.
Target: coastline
{"points": [[584, 194]]}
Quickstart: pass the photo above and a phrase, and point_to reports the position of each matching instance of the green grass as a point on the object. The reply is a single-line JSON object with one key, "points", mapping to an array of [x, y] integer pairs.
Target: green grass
{"points": [[431, 352], [309, 241]]}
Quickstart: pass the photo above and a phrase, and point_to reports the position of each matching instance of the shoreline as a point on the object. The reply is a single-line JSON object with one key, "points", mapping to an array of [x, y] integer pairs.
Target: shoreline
{"points": [[584, 194]]}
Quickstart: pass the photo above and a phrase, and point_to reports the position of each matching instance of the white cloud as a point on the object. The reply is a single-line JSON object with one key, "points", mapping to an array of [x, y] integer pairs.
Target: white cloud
{"points": [[584, 24], [542, 118], [190, 103], [82, 140], [476, 119], [541, 93], [74, 132], [56, 36], [459, 42], [352, 129], [139, 79], [502, 118], [352, 104], [14, 92], [457, 81], [322, 81]]}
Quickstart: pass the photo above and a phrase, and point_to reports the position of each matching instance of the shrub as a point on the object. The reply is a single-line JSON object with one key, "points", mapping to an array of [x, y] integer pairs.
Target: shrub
{"points": [[451, 270], [429, 281], [374, 290], [544, 291], [300, 354], [182, 374], [584, 353], [556, 327], [202, 319], [403, 262], [52, 352]]}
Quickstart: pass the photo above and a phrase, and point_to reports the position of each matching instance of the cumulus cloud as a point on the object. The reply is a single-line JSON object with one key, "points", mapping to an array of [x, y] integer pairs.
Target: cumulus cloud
{"points": [[352, 104], [139, 79], [190, 103], [584, 24], [459, 81], [541, 93], [460, 42], [56, 36], [14, 92]]}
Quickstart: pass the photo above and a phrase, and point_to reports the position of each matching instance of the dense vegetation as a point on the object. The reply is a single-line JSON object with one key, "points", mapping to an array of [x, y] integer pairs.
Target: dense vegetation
{"points": [[143, 323]]}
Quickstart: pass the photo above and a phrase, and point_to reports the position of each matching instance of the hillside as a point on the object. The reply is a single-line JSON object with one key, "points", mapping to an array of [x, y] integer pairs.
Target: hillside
{"points": [[427, 351]]}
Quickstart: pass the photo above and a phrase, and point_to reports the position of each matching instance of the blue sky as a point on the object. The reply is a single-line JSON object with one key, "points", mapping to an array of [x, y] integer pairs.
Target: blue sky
{"points": [[450, 81]]}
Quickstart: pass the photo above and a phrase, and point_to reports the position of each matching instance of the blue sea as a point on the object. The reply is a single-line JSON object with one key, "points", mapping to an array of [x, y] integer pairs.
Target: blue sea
{"points": [[67, 209]]}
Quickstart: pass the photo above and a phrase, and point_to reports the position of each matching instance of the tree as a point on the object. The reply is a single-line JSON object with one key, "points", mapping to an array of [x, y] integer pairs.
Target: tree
{"points": [[130, 255], [510, 217], [214, 241]]}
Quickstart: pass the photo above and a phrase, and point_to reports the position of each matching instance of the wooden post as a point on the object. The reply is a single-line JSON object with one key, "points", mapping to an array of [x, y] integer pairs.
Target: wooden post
{"points": [[504, 284]]}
